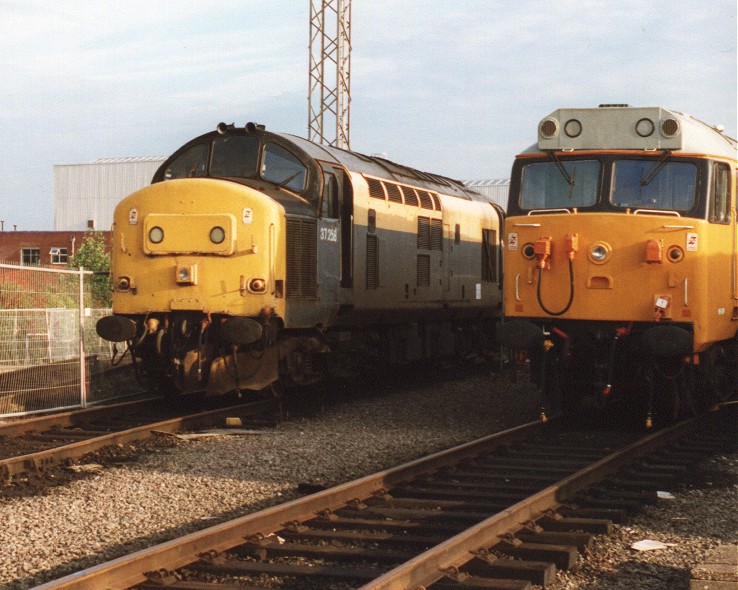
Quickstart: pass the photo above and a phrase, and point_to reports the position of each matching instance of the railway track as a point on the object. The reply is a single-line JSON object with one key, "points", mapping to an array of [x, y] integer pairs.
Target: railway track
{"points": [[504, 512], [36, 444]]}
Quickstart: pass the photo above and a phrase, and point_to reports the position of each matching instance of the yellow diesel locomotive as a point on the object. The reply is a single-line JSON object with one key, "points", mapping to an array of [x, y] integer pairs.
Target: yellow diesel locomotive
{"points": [[621, 262], [256, 257]]}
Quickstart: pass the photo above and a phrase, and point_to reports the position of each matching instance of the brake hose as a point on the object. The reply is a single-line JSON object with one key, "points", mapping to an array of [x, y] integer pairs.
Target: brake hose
{"points": [[571, 292]]}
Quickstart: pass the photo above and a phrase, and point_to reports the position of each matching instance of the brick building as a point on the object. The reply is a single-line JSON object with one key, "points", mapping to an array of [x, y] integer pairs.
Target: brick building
{"points": [[50, 248]]}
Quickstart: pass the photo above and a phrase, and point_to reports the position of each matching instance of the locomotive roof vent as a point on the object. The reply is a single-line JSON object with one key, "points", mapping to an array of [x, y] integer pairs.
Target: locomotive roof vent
{"points": [[613, 105]]}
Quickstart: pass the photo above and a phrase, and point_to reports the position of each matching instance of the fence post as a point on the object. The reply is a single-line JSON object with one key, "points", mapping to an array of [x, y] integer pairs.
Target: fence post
{"points": [[82, 359]]}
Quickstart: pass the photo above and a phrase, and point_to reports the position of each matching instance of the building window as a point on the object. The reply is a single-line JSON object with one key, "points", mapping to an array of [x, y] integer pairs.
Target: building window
{"points": [[58, 255], [30, 256]]}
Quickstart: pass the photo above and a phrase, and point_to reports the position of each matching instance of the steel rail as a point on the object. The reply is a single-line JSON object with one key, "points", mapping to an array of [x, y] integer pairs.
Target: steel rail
{"points": [[429, 567], [50, 457], [128, 570], [65, 419]]}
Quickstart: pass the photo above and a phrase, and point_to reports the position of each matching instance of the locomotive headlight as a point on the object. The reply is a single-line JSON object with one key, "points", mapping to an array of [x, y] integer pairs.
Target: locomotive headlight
{"points": [[644, 127], [217, 235], [257, 285], [186, 274], [156, 235], [599, 252]]}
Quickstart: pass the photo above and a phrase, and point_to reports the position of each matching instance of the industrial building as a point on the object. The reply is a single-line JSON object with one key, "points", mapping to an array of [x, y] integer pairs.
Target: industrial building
{"points": [[85, 195], [495, 188]]}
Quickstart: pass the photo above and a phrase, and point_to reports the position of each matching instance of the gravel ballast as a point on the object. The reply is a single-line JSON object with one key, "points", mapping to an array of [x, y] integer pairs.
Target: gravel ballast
{"points": [[195, 484]]}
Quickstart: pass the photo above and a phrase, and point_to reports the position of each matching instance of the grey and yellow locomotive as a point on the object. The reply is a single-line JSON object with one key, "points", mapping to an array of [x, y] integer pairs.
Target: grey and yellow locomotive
{"points": [[255, 257]]}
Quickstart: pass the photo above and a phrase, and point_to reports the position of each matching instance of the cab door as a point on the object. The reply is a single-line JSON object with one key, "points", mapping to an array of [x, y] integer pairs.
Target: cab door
{"points": [[720, 255]]}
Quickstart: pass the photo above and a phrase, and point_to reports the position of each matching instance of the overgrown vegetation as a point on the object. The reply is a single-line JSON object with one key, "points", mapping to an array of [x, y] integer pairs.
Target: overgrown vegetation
{"points": [[91, 255]]}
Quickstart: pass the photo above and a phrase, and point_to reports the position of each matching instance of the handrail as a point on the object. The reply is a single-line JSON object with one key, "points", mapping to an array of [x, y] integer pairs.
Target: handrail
{"points": [[657, 212]]}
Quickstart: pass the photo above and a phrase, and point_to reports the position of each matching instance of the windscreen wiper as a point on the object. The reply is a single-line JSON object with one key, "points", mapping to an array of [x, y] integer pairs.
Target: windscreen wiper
{"points": [[655, 169], [289, 179], [560, 166]]}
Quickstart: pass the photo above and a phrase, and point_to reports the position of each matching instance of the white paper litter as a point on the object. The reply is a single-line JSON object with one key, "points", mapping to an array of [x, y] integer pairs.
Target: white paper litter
{"points": [[665, 496], [649, 545]]}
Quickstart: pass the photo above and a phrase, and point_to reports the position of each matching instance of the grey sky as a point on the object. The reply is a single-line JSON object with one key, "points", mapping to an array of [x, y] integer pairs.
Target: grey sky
{"points": [[453, 87]]}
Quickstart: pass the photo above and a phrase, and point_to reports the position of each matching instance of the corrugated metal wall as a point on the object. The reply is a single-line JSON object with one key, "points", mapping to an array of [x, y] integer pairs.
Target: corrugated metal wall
{"points": [[85, 193], [497, 188]]}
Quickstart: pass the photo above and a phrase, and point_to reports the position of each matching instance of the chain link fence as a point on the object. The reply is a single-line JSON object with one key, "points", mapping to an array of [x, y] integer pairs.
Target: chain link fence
{"points": [[51, 358]]}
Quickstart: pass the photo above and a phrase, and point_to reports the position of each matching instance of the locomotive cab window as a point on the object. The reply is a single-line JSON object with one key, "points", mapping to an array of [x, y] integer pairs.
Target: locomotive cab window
{"points": [[191, 164], [234, 156], [329, 203], [720, 194], [283, 168], [654, 184], [560, 184]]}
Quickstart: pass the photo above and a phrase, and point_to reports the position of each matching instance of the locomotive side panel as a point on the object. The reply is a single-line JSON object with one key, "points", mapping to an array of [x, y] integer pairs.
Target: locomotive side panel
{"points": [[443, 254]]}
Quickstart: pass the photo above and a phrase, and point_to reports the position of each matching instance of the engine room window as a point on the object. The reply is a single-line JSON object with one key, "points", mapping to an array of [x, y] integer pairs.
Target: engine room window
{"points": [[234, 156], [191, 164], [283, 168], [545, 185], [720, 194], [654, 184]]}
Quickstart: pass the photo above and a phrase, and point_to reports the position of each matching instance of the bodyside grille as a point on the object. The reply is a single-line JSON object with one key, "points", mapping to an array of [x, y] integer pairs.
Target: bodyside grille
{"points": [[372, 263], [423, 270], [302, 259]]}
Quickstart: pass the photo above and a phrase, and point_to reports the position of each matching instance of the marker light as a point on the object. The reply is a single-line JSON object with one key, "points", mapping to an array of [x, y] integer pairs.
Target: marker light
{"points": [[573, 128], [156, 234], [644, 127], [675, 253], [217, 235], [124, 284]]}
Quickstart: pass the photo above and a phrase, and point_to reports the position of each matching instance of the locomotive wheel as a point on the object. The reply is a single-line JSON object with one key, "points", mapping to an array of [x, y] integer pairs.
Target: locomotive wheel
{"points": [[719, 373]]}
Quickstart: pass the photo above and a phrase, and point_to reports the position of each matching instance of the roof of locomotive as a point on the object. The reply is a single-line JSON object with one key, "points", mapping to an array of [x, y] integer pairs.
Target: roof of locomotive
{"points": [[353, 161], [384, 169], [622, 127]]}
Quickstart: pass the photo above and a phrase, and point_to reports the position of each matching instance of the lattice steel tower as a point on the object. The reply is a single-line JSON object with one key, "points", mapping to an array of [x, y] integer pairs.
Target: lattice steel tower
{"points": [[329, 97]]}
